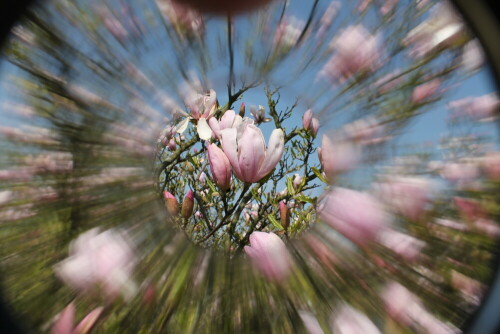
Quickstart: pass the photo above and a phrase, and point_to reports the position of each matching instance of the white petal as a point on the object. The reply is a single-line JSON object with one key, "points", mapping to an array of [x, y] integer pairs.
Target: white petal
{"points": [[204, 130], [182, 126]]}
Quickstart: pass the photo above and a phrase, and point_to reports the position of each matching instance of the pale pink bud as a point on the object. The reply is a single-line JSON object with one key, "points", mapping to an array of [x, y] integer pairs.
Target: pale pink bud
{"points": [[202, 178], [270, 255], [388, 6], [242, 110], [297, 180], [89, 321], [356, 215], [198, 214], [306, 119], [399, 301], [247, 153], [171, 144], [64, 322], [425, 91], [219, 166]]}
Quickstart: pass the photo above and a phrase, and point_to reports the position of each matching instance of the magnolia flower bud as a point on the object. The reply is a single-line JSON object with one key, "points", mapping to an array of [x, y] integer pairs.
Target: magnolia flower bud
{"points": [[270, 255], [188, 205], [284, 215], [219, 166], [242, 110], [171, 203]]}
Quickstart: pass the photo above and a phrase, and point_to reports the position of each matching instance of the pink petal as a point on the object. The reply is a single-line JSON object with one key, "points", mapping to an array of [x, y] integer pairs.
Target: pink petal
{"points": [[215, 126], [64, 323], [220, 166], [204, 130], [230, 148], [251, 153], [89, 321], [227, 119], [274, 153]]}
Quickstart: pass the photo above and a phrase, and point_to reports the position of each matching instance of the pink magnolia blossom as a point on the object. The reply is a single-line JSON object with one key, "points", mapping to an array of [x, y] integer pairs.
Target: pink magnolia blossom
{"points": [[407, 195], [64, 322], [356, 52], [479, 108], [259, 114], [202, 107], [406, 246], [356, 215], [100, 258], [297, 180], [310, 123], [425, 91], [227, 121], [219, 166], [338, 156], [246, 150], [351, 321], [270, 255], [470, 288]]}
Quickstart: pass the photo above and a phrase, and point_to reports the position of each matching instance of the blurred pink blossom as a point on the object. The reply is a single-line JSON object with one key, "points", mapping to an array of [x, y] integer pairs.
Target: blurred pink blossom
{"points": [[491, 165], [425, 91], [460, 172], [337, 156], [481, 108], [100, 258], [269, 253], [472, 56], [488, 227], [64, 323], [356, 51], [350, 321], [356, 215], [406, 246], [288, 33], [407, 195]]}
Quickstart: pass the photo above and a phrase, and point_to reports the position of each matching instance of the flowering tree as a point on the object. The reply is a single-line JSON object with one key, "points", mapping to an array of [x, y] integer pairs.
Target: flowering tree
{"points": [[170, 152]]}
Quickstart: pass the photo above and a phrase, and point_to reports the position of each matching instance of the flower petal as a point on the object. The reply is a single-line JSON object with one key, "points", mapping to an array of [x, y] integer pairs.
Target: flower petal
{"points": [[251, 153], [64, 323], [215, 126], [89, 321], [182, 126], [230, 148], [227, 119], [274, 152], [203, 129]]}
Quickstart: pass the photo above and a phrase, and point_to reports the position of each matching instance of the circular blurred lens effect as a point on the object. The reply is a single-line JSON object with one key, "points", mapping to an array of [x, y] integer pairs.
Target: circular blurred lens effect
{"points": [[308, 167]]}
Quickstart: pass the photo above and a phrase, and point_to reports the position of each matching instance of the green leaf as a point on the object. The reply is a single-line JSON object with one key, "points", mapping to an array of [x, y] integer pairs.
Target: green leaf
{"points": [[274, 222], [304, 198], [318, 174], [289, 186], [211, 185]]}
